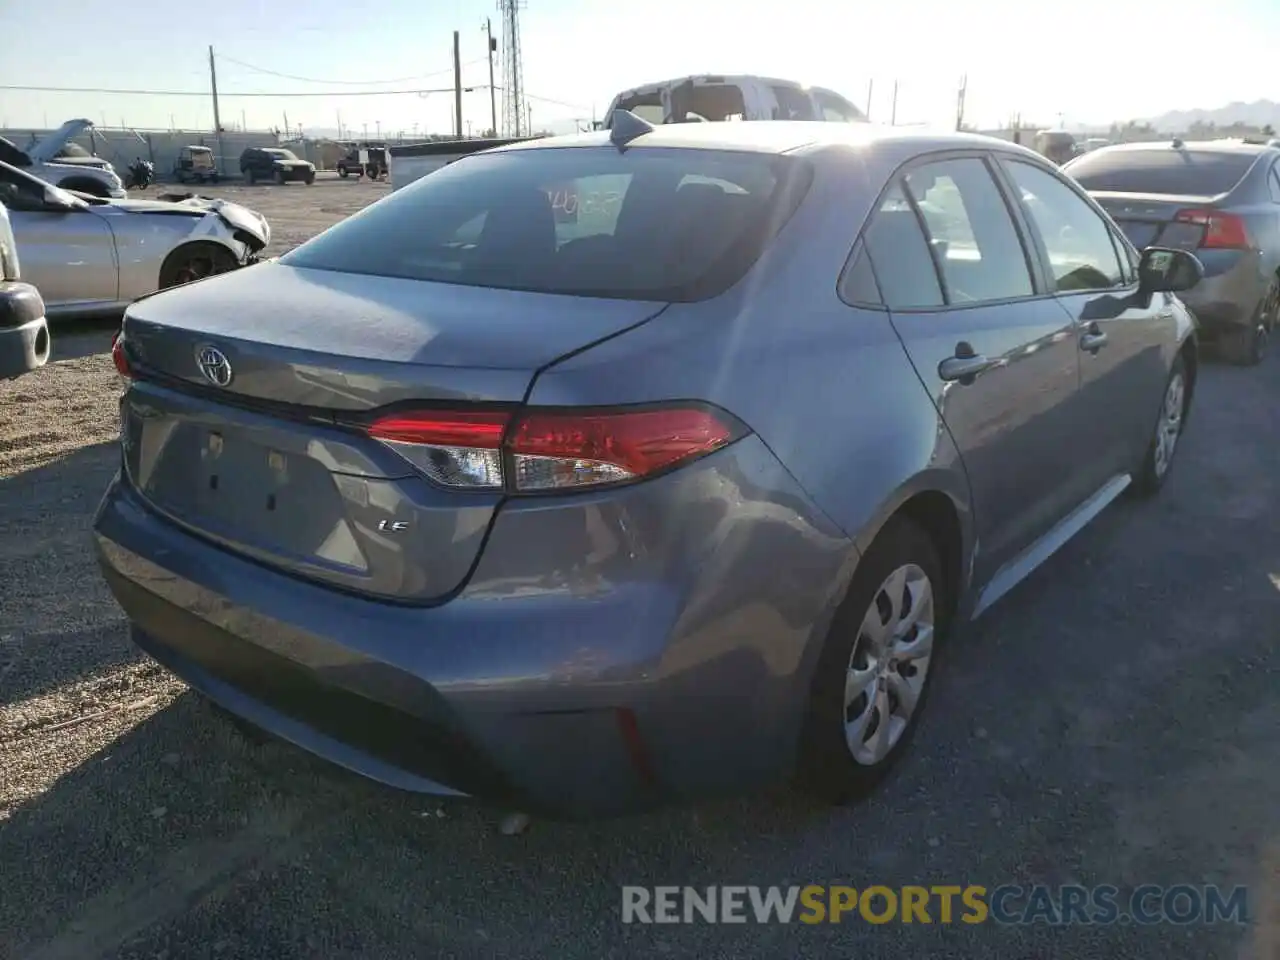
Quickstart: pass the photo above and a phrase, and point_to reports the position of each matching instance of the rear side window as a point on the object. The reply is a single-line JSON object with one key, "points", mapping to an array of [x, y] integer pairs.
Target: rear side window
{"points": [[900, 255], [1185, 172], [793, 104], [647, 224]]}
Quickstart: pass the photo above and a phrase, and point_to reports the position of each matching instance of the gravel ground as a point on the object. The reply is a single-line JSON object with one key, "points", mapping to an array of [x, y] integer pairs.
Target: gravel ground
{"points": [[1115, 720]]}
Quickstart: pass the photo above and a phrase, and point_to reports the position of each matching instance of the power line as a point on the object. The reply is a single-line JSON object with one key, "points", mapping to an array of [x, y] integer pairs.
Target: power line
{"points": [[232, 93], [290, 76]]}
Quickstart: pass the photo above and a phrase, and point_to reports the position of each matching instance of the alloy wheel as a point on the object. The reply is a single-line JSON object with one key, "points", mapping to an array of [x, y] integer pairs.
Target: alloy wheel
{"points": [[889, 664], [1169, 428]]}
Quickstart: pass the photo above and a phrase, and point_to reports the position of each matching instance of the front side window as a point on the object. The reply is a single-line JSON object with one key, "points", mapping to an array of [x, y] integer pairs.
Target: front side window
{"points": [[972, 235], [1078, 241], [647, 224]]}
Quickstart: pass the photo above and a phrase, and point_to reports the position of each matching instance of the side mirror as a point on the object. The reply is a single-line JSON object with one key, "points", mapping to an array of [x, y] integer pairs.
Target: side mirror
{"points": [[1163, 270]]}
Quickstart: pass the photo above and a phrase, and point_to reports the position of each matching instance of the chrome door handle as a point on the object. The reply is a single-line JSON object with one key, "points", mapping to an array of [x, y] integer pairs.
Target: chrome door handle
{"points": [[1093, 342], [964, 368]]}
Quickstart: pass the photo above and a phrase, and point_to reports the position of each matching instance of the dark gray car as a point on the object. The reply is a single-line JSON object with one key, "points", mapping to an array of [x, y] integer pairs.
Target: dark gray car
{"points": [[1219, 199], [589, 473]]}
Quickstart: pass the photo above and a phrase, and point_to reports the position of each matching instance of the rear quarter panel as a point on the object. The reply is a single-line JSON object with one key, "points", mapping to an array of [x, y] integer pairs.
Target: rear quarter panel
{"points": [[828, 387]]}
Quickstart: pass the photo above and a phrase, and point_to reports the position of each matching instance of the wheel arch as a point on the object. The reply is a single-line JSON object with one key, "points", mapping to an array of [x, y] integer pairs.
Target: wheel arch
{"points": [[1190, 353], [188, 245], [84, 184]]}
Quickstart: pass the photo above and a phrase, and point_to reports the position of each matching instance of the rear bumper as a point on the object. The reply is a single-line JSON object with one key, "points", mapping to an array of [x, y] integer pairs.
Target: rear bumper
{"points": [[663, 664], [24, 332], [1228, 297]]}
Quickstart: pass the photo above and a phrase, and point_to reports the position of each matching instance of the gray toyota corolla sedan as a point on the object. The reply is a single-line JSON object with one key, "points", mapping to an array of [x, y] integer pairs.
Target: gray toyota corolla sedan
{"points": [[598, 471]]}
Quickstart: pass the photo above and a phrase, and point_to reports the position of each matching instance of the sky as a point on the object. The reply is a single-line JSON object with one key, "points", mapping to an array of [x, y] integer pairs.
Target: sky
{"points": [[1083, 62]]}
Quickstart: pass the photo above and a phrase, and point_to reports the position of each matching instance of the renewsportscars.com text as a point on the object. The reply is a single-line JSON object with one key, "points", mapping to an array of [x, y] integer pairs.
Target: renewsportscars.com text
{"points": [[970, 904]]}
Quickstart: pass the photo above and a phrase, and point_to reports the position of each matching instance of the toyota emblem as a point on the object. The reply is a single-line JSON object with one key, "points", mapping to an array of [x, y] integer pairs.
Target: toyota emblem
{"points": [[214, 365]]}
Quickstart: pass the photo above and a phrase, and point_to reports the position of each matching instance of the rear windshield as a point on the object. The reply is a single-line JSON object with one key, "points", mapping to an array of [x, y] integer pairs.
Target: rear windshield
{"points": [[1173, 171], [281, 154], [647, 224]]}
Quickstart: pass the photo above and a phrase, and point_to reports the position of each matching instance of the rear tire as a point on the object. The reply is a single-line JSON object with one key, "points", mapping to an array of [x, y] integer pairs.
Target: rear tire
{"points": [[873, 676], [280, 177], [311, 178], [1159, 457], [248, 177], [342, 171], [1246, 347]]}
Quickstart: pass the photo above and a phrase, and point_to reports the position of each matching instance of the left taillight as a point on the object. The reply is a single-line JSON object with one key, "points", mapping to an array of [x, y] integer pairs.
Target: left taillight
{"points": [[536, 451], [119, 357]]}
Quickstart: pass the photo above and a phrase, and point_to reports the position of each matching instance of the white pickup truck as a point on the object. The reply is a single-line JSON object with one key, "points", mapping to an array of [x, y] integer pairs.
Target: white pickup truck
{"points": [[709, 97]]}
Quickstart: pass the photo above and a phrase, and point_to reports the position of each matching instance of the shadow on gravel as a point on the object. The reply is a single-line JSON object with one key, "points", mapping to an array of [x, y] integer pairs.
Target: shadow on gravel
{"points": [[58, 623], [76, 339], [181, 815]]}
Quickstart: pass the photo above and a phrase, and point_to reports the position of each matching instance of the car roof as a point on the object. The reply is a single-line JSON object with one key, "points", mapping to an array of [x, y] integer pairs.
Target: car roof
{"points": [[1204, 146], [781, 136]]}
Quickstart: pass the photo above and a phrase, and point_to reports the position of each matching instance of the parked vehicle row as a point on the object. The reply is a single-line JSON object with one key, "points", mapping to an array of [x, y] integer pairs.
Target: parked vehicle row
{"points": [[669, 494]]}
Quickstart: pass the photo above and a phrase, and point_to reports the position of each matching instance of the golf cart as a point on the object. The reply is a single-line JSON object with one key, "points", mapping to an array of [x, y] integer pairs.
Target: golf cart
{"points": [[195, 164], [367, 160]]}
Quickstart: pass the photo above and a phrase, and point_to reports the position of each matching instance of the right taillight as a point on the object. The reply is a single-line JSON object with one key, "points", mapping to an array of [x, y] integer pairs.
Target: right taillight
{"points": [[1221, 230], [118, 356], [536, 450]]}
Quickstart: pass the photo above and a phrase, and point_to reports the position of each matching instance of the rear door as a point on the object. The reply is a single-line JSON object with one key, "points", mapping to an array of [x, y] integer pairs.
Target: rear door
{"points": [[69, 255], [1124, 339], [997, 353]]}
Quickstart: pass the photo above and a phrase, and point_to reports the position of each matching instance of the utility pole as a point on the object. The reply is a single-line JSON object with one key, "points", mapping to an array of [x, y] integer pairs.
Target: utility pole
{"points": [[493, 94], [871, 88], [217, 118], [457, 86], [339, 114], [893, 112], [964, 87], [287, 131]]}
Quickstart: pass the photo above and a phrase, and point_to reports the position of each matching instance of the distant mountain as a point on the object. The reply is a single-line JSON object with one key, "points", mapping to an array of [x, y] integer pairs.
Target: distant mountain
{"points": [[1260, 113]]}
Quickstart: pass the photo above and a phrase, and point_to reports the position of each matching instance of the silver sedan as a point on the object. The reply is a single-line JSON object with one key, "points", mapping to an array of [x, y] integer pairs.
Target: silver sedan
{"points": [[92, 255]]}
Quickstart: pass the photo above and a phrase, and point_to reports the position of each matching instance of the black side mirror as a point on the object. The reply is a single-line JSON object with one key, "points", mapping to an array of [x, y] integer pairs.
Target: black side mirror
{"points": [[1163, 270]]}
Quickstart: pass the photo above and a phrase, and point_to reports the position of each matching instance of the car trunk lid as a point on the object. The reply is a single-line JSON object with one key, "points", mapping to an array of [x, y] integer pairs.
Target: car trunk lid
{"points": [[1150, 219], [248, 419]]}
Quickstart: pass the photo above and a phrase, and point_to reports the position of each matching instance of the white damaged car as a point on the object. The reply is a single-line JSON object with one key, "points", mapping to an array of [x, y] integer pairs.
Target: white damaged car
{"points": [[57, 160], [92, 255]]}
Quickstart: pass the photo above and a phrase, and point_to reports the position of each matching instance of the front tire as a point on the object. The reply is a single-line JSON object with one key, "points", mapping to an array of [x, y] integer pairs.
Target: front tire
{"points": [[195, 261], [873, 674], [342, 171], [249, 177], [1158, 460]]}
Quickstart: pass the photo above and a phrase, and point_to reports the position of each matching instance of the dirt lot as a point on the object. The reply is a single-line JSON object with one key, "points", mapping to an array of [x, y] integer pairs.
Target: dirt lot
{"points": [[1115, 720]]}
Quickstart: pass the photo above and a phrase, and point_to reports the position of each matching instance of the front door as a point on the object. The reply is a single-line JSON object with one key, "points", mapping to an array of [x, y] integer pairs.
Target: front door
{"points": [[69, 255], [1123, 335], [997, 353]]}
